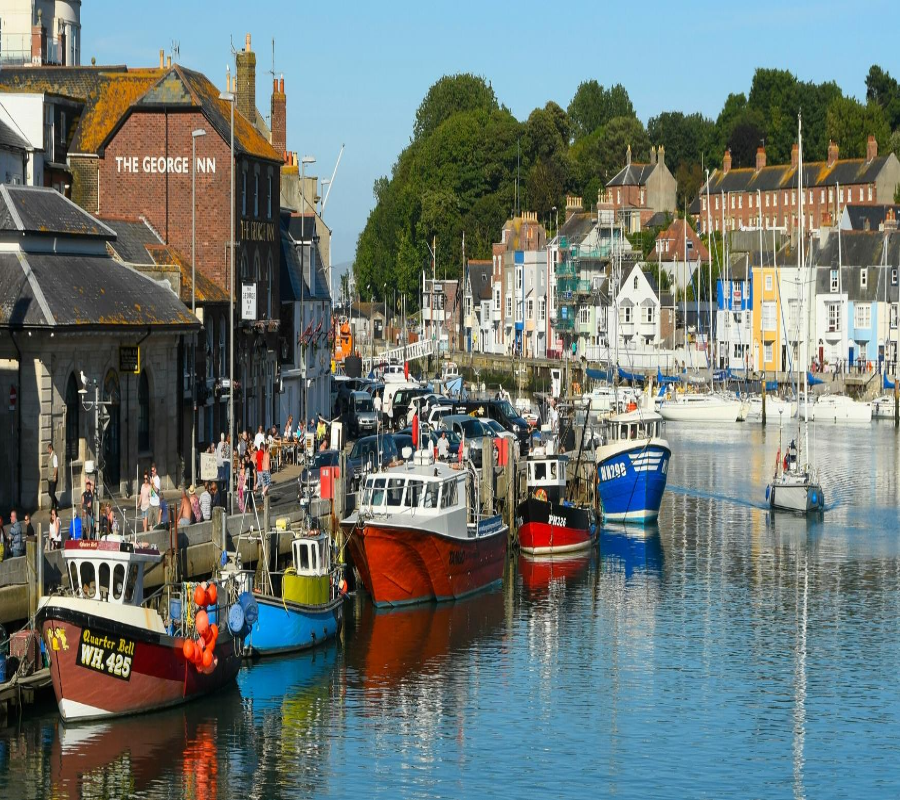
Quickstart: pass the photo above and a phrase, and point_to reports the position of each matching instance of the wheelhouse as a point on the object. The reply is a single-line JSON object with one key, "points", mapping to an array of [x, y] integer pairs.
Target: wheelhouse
{"points": [[110, 570], [635, 425], [546, 475]]}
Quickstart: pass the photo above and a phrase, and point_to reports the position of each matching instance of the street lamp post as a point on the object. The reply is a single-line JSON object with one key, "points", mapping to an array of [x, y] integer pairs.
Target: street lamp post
{"points": [[194, 136], [101, 418], [553, 210], [228, 97]]}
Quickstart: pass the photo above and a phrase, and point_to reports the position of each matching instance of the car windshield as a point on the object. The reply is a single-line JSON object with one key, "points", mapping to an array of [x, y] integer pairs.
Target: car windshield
{"points": [[507, 408], [360, 449], [364, 404], [327, 459], [472, 428], [495, 426]]}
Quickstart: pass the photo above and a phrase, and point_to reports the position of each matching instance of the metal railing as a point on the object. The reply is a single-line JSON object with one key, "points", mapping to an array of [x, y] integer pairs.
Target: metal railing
{"points": [[411, 352]]}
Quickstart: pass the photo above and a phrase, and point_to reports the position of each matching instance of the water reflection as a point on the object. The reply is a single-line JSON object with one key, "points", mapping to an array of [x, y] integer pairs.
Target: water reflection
{"points": [[631, 548], [539, 573]]}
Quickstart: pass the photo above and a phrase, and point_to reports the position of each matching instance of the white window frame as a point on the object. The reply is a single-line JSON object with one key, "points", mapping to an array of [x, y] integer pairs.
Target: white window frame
{"points": [[769, 316], [767, 352], [863, 278], [834, 280], [833, 317], [768, 283], [862, 315]]}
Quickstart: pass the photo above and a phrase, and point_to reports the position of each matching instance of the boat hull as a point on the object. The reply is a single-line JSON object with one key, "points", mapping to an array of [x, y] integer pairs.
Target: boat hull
{"points": [[632, 479], [400, 566], [800, 497], [679, 411], [153, 672], [285, 627], [838, 413], [546, 528]]}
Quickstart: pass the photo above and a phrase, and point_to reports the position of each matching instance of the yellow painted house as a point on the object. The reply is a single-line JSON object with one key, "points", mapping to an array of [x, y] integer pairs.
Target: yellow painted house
{"points": [[767, 352]]}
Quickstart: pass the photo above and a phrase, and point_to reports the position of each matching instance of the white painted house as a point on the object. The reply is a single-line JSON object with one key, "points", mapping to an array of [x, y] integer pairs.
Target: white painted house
{"points": [[637, 324]]}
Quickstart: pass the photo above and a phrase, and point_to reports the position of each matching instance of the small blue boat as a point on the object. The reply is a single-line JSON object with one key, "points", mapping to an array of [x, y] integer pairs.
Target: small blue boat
{"points": [[632, 464], [299, 607]]}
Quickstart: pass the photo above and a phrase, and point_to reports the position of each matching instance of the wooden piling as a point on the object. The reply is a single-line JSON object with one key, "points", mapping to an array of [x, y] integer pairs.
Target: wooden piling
{"points": [[39, 529], [896, 402], [486, 487], [764, 399]]}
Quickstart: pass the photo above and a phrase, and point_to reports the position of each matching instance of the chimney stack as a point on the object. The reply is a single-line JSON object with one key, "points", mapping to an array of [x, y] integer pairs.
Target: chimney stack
{"points": [[760, 158], [832, 153], [38, 41], [890, 220], [726, 162], [661, 155], [628, 156], [652, 156], [279, 116], [169, 62], [162, 59], [246, 82], [871, 148], [795, 156]]}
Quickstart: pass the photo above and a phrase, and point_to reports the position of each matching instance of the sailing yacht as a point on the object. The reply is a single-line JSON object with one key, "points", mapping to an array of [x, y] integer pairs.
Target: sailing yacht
{"points": [[793, 486]]}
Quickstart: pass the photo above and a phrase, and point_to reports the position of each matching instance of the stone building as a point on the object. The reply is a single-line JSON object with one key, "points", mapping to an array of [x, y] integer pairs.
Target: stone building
{"points": [[67, 310], [638, 191]]}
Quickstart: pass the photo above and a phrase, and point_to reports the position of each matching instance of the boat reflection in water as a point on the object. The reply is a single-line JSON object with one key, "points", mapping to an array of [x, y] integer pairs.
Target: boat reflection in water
{"points": [[540, 573], [631, 548], [272, 683], [389, 645], [130, 755]]}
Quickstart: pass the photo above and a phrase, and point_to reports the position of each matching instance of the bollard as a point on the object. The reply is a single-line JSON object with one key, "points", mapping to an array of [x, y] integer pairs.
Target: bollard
{"points": [[764, 400]]}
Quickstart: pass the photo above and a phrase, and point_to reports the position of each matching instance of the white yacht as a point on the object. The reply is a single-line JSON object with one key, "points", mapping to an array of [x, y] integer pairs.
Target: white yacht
{"points": [[698, 407], [838, 408]]}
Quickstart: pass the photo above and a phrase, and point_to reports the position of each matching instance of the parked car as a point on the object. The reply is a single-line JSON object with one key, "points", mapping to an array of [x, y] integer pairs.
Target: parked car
{"points": [[308, 482], [369, 453], [346, 387], [431, 439], [472, 432], [397, 401], [423, 404], [497, 429], [362, 419], [501, 410]]}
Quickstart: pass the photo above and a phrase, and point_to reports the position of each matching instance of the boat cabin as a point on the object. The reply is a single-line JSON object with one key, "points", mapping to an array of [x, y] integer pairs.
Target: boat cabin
{"points": [[546, 474], [310, 582], [111, 570], [634, 425], [312, 554]]}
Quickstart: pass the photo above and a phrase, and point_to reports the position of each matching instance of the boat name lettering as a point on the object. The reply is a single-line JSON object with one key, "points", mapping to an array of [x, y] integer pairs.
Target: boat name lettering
{"points": [[558, 520], [457, 556], [609, 472], [106, 655]]}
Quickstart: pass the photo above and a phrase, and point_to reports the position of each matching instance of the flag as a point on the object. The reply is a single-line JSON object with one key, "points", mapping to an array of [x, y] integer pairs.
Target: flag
{"points": [[462, 445], [415, 431]]}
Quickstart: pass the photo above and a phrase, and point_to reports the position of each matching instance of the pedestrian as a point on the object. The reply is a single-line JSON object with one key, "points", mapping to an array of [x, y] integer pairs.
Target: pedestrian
{"points": [[144, 501], [52, 476], [259, 438], [241, 485], [242, 443], [185, 512], [54, 537], [206, 503], [221, 456], [321, 430], [443, 447], [196, 512], [87, 510], [265, 471], [16, 536], [155, 486], [553, 416], [29, 528], [289, 428]]}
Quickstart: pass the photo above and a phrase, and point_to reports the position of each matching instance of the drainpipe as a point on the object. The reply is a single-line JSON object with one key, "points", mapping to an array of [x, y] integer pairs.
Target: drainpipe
{"points": [[18, 412]]}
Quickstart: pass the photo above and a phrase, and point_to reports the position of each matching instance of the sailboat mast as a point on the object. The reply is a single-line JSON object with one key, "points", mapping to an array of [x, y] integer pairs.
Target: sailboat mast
{"points": [[804, 345]]}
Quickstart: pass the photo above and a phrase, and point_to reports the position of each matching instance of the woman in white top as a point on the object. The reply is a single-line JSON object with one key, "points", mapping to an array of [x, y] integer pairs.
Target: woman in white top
{"points": [[55, 539]]}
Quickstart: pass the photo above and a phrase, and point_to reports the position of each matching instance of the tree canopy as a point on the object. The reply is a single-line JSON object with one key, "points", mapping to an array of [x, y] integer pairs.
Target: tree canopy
{"points": [[469, 161]]}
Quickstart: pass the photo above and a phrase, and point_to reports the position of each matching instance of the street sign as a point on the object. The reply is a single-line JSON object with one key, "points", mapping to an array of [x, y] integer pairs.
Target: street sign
{"points": [[248, 301], [130, 359]]}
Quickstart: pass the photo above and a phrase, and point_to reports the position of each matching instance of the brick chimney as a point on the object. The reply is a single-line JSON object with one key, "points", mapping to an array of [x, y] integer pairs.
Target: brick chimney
{"points": [[162, 59], [574, 205], [890, 220], [246, 82], [279, 116], [832, 153], [726, 162], [628, 156], [38, 40], [662, 155], [871, 148], [760, 158], [795, 156]]}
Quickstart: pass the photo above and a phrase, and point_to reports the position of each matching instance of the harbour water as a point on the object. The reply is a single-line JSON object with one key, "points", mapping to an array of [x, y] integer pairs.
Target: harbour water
{"points": [[725, 653]]}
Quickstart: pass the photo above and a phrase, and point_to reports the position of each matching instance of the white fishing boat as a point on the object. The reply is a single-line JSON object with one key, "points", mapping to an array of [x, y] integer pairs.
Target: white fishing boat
{"points": [[699, 407], [838, 408], [775, 406], [604, 399], [883, 407]]}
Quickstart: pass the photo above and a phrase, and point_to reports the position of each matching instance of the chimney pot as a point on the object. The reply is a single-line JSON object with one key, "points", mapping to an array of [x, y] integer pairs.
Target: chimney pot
{"points": [[247, 44], [871, 148], [169, 62], [162, 59], [795, 156], [832, 153], [726, 162], [652, 155], [281, 85], [760, 158], [661, 155], [628, 155]]}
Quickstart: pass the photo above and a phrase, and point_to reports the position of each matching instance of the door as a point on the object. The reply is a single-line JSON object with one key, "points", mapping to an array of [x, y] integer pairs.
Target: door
{"points": [[111, 441]]}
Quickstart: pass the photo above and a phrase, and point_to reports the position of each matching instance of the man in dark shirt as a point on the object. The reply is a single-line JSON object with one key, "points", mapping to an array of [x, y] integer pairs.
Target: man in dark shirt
{"points": [[87, 510]]}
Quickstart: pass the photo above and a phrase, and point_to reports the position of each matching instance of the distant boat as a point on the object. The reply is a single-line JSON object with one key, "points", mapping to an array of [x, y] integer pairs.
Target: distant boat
{"points": [[701, 407], [838, 408], [883, 407], [774, 406], [632, 464]]}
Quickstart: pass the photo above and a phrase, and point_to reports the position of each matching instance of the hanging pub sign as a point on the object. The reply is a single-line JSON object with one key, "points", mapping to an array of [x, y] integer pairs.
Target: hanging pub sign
{"points": [[248, 301], [130, 359]]}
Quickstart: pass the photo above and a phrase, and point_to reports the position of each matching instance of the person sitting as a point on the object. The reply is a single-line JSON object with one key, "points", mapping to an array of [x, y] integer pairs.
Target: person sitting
{"points": [[185, 512], [196, 512], [206, 503], [16, 536]]}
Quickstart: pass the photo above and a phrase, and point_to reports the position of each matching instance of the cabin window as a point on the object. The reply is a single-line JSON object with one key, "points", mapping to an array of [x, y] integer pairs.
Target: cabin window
{"points": [[431, 495], [448, 496], [104, 581], [131, 583], [395, 491], [118, 584], [367, 493], [303, 561], [413, 493], [553, 474], [378, 492], [88, 579], [73, 577], [540, 471]]}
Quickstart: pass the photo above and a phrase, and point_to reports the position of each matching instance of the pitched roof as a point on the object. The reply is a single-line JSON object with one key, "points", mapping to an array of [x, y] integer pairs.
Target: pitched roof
{"points": [[859, 250], [132, 238], [164, 255], [480, 273], [42, 211], [577, 227], [12, 139], [632, 175], [868, 218], [675, 233]]}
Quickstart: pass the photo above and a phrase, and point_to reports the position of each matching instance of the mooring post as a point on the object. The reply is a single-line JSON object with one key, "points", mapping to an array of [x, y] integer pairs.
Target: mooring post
{"points": [[764, 399]]}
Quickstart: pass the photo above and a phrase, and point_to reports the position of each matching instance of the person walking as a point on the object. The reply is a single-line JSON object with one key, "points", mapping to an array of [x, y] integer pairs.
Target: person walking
{"points": [[54, 538], [52, 476], [144, 503], [265, 471], [221, 456], [155, 486]]}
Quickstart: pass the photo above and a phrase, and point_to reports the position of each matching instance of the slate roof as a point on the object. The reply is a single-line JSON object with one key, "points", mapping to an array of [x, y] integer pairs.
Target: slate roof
{"points": [[859, 249], [11, 139], [633, 175], [164, 255], [577, 227], [42, 211], [480, 274], [869, 218], [83, 291], [675, 233], [132, 238]]}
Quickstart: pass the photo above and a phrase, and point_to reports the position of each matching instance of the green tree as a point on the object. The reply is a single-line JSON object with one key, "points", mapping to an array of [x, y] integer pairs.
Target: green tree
{"points": [[687, 138], [601, 154], [881, 88], [592, 107], [451, 94], [849, 124]]}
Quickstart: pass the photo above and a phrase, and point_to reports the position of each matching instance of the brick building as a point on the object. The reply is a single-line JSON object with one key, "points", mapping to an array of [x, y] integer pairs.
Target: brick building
{"points": [[767, 195], [638, 191]]}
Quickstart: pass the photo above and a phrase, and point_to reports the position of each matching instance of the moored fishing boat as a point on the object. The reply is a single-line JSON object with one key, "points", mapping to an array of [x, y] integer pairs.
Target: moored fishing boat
{"points": [[547, 523], [298, 607], [111, 654], [632, 463], [418, 534]]}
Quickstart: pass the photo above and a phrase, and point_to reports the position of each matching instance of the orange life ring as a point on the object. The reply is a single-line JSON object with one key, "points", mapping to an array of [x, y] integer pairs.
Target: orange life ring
{"points": [[632, 406], [540, 494]]}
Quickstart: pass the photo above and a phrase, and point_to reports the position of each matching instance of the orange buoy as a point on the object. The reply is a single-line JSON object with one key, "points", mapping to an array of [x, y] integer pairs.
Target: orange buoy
{"points": [[188, 649], [214, 630], [199, 596], [212, 594], [207, 659], [202, 622], [342, 586]]}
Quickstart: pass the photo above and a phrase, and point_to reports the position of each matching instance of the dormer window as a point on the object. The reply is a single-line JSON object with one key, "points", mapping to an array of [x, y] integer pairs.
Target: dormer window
{"points": [[834, 280], [863, 278]]}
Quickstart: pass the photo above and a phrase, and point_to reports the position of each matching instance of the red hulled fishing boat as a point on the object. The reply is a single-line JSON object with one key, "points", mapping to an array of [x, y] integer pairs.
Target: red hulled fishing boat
{"points": [[110, 654], [418, 534]]}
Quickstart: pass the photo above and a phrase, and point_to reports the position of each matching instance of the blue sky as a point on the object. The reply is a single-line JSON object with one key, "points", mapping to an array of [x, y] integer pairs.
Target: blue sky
{"points": [[356, 72]]}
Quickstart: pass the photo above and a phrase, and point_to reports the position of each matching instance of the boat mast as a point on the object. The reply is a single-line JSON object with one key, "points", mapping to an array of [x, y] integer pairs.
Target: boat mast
{"points": [[709, 239], [804, 345]]}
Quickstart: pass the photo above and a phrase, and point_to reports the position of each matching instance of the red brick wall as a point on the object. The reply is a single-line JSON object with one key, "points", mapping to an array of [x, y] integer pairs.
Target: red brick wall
{"points": [[627, 196]]}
